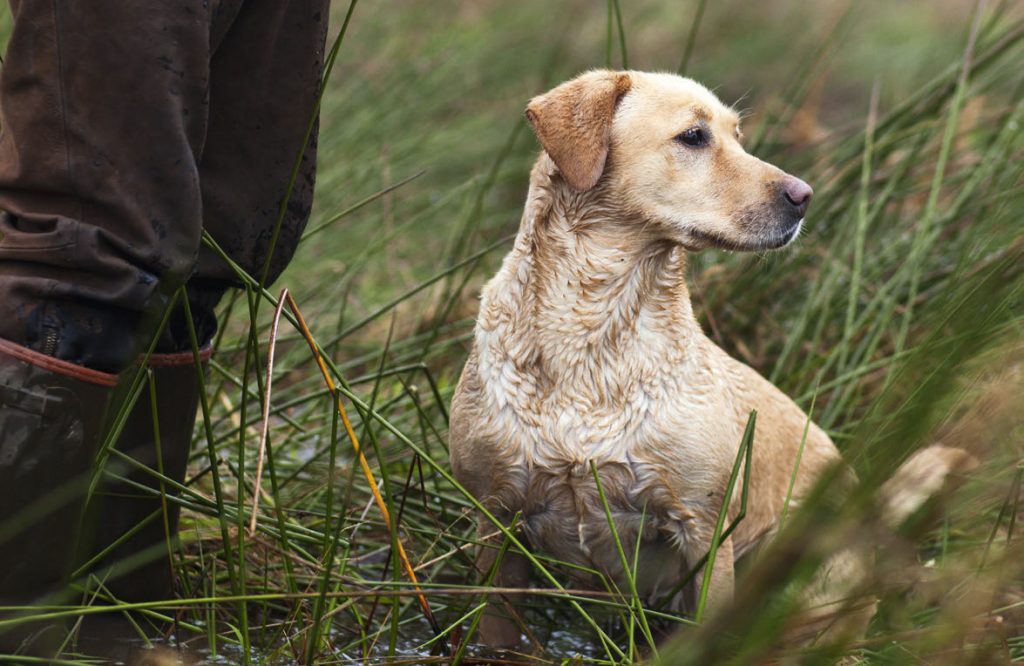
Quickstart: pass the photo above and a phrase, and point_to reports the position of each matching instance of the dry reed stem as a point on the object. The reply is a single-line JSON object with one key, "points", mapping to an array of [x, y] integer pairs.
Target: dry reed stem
{"points": [[304, 329], [265, 429]]}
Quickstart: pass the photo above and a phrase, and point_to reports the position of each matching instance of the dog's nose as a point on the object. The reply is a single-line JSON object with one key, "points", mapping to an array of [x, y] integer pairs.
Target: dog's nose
{"points": [[798, 193]]}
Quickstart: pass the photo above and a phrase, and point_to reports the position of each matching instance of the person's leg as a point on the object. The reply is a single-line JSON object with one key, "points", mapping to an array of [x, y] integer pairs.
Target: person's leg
{"points": [[137, 511], [265, 76], [103, 110], [96, 237], [52, 415]]}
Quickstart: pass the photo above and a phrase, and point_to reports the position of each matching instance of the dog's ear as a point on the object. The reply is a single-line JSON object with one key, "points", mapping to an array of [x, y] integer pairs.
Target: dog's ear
{"points": [[573, 122]]}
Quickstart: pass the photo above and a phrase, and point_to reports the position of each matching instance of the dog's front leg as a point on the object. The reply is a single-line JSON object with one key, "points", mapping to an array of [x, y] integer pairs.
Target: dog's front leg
{"points": [[500, 624]]}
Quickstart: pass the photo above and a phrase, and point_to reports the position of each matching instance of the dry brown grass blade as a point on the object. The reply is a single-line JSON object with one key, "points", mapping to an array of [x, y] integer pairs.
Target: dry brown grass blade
{"points": [[265, 428], [367, 472]]}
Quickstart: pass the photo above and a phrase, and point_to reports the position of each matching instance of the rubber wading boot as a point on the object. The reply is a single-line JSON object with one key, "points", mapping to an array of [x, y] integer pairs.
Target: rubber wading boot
{"points": [[53, 417], [135, 519]]}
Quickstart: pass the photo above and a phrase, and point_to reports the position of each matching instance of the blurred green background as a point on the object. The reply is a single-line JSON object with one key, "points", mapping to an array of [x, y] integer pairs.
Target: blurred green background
{"points": [[439, 87]]}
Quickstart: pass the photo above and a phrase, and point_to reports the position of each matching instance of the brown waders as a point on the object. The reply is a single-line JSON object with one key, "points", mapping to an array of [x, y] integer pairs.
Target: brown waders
{"points": [[126, 129]]}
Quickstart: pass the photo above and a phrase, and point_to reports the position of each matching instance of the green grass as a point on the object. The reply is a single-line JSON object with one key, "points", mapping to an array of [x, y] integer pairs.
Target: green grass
{"points": [[898, 316]]}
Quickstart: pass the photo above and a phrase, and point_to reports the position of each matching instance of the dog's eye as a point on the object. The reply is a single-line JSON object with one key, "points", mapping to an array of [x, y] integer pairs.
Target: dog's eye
{"points": [[695, 137]]}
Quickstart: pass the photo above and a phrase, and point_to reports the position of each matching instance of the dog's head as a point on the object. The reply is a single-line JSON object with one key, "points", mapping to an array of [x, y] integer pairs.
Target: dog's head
{"points": [[668, 152]]}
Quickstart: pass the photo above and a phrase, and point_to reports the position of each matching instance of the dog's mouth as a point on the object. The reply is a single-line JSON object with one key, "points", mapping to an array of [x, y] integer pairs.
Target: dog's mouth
{"points": [[785, 236], [764, 239]]}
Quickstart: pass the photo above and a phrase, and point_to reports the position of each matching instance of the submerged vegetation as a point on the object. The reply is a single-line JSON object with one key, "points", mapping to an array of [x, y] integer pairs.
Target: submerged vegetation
{"points": [[896, 321]]}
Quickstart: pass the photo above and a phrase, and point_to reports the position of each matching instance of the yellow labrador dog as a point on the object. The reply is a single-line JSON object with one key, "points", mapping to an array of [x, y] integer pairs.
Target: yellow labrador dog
{"points": [[587, 350]]}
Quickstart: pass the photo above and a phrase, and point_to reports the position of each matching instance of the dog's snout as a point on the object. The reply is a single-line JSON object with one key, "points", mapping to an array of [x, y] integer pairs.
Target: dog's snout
{"points": [[797, 193]]}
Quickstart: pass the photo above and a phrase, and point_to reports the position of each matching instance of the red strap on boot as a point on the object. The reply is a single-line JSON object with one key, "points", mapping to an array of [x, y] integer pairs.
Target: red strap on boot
{"points": [[179, 358], [66, 368]]}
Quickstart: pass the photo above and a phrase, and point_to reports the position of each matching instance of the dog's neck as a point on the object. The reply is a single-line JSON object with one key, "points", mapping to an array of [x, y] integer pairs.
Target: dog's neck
{"points": [[584, 288]]}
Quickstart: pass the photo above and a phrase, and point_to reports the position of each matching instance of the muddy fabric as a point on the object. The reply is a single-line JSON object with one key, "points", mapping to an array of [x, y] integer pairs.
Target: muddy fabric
{"points": [[128, 500], [125, 129], [52, 416]]}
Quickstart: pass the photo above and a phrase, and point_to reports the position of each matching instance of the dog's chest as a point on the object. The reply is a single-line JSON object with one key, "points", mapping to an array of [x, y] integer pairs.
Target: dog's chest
{"points": [[642, 407], [638, 427]]}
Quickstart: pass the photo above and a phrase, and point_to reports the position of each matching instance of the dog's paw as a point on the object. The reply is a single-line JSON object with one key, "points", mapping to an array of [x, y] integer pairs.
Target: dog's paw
{"points": [[922, 476]]}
